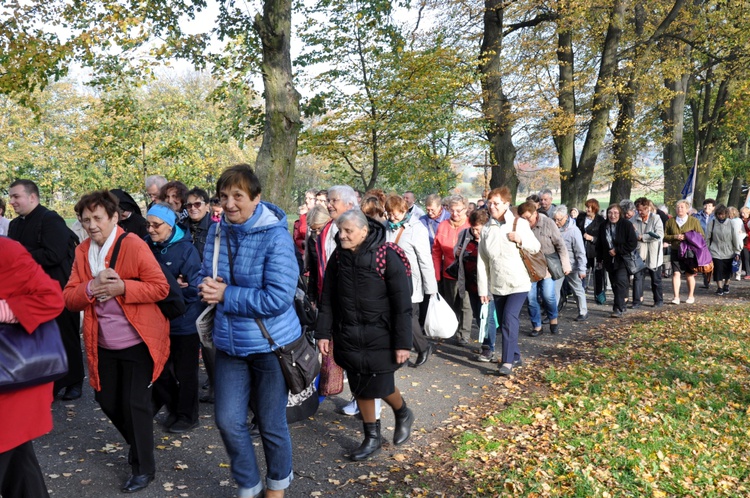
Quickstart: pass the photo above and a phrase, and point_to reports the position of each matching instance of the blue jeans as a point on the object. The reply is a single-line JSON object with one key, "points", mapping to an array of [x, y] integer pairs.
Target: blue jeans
{"points": [[548, 297], [476, 307], [256, 380]]}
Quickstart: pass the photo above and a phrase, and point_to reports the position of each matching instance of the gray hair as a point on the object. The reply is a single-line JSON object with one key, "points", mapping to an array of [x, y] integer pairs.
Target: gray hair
{"points": [[455, 199], [546, 191], [355, 215], [627, 205], [157, 180], [346, 194], [561, 209], [682, 201], [433, 199]]}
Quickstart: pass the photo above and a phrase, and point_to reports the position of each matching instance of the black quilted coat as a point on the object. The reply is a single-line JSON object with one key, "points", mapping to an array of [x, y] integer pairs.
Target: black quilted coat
{"points": [[367, 315]]}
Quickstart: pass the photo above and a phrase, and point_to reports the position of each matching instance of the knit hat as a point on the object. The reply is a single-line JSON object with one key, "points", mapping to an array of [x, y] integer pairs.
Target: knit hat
{"points": [[163, 213]]}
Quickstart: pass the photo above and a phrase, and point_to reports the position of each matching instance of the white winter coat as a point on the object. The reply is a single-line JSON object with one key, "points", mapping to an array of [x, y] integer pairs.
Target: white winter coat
{"points": [[499, 264]]}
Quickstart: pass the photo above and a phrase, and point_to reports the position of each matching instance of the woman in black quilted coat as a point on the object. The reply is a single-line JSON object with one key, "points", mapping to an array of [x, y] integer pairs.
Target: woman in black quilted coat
{"points": [[365, 309]]}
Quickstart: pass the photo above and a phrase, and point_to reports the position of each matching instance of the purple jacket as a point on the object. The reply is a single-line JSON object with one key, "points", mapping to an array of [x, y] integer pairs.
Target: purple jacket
{"points": [[696, 243]]}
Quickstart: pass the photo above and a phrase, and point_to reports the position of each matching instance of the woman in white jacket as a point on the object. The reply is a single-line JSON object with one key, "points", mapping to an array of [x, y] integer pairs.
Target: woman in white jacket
{"points": [[411, 235], [500, 265]]}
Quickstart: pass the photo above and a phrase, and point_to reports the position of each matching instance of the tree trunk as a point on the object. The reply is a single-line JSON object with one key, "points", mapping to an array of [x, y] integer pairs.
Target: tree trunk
{"points": [[600, 107], [622, 147], [672, 118], [278, 151], [495, 105], [735, 194], [565, 134], [707, 118]]}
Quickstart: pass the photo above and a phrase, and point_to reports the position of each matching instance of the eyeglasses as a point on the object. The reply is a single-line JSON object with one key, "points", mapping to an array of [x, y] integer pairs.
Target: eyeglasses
{"points": [[154, 226], [194, 205]]}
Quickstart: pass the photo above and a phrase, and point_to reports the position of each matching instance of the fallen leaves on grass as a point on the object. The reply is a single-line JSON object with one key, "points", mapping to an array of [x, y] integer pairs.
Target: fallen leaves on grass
{"points": [[652, 408]]}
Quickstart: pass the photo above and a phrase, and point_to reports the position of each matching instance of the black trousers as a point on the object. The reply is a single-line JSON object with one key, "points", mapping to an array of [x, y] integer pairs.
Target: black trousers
{"points": [[618, 277], [419, 340], [70, 325], [177, 386], [656, 289], [20, 474], [125, 397]]}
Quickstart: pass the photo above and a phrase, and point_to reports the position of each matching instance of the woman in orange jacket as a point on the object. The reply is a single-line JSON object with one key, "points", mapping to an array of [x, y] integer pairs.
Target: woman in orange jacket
{"points": [[125, 334]]}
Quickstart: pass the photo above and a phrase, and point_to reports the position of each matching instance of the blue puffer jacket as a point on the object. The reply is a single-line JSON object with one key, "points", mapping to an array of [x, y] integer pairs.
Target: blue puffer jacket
{"points": [[181, 257], [265, 279]]}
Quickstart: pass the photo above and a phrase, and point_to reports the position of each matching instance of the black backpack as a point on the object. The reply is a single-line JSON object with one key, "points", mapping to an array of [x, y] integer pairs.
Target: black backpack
{"points": [[172, 306]]}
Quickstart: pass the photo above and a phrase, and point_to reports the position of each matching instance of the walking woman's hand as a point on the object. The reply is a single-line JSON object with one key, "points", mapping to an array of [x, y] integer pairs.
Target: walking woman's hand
{"points": [[325, 346], [402, 355]]}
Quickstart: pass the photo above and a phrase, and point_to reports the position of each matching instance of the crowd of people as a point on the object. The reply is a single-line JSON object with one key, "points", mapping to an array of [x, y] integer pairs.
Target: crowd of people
{"points": [[370, 264]]}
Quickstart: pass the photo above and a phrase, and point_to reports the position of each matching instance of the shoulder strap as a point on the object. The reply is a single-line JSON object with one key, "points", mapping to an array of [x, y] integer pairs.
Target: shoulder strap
{"points": [[217, 249], [116, 250], [381, 256], [231, 261], [398, 237]]}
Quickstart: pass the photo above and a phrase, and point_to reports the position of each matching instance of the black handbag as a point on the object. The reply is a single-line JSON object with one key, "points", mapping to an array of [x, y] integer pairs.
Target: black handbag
{"points": [[299, 360], [306, 311], [554, 265], [633, 262], [28, 360]]}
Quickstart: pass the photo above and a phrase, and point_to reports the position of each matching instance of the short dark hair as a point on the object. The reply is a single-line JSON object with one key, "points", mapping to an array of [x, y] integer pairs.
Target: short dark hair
{"points": [[618, 207], [182, 190], [198, 192], [215, 201], [527, 207], [709, 201], [29, 186], [534, 198], [103, 198], [642, 201], [479, 217], [721, 209], [242, 176], [2, 207]]}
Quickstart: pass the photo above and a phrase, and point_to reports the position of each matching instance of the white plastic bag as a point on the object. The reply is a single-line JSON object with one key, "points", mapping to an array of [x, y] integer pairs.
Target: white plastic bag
{"points": [[441, 321], [484, 312]]}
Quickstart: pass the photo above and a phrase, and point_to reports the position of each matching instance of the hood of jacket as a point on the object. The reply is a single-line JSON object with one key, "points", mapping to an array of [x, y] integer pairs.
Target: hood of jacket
{"points": [[127, 203], [266, 216]]}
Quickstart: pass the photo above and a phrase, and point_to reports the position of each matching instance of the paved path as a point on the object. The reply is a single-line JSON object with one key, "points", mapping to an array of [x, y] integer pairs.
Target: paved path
{"points": [[84, 456]]}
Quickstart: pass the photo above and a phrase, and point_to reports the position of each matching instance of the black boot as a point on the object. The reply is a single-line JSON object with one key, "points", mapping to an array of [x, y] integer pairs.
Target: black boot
{"points": [[404, 420], [372, 443]]}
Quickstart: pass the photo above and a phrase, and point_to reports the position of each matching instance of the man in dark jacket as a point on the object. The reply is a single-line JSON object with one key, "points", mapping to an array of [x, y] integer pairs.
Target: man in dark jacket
{"points": [[52, 244], [131, 220]]}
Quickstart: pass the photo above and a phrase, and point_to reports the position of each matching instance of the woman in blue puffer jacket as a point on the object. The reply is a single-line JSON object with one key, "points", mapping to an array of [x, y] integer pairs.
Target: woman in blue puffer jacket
{"points": [[256, 280]]}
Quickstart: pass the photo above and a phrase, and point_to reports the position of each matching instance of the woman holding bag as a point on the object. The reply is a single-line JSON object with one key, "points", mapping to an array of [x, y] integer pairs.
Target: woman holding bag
{"points": [[256, 283], [30, 297], [366, 310], [616, 237], [411, 236], [501, 274]]}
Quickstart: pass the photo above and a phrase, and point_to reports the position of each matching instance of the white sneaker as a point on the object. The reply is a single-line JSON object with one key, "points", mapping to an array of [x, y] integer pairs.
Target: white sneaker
{"points": [[352, 408]]}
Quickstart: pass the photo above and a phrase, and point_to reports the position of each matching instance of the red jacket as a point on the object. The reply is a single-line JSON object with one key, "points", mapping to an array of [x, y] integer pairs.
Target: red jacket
{"points": [[145, 284], [34, 298], [300, 233], [442, 249]]}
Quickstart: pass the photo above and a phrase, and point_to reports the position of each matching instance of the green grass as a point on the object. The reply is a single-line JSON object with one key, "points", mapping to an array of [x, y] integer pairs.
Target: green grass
{"points": [[663, 412]]}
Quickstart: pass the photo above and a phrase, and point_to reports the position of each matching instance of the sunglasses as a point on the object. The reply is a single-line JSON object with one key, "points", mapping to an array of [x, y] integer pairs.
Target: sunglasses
{"points": [[154, 226], [194, 205]]}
